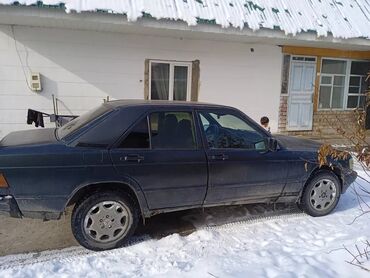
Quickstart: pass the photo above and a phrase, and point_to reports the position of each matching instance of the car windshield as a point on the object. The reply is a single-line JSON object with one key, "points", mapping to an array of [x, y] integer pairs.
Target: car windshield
{"points": [[81, 121]]}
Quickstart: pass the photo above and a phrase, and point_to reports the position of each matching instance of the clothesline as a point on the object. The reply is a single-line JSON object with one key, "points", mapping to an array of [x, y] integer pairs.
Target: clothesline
{"points": [[37, 118]]}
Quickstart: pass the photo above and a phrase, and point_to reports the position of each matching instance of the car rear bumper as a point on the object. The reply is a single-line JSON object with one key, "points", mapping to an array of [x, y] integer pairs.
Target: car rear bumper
{"points": [[9, 206], [349, 176]]}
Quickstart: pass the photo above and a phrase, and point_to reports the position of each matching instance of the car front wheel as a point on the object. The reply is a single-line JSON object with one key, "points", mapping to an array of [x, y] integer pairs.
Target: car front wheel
{"points": [[321, 194], [104, 220]]}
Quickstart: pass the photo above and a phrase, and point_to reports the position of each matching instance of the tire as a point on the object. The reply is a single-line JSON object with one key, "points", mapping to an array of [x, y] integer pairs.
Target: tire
{"points": [[321, 194], [104, 220]]}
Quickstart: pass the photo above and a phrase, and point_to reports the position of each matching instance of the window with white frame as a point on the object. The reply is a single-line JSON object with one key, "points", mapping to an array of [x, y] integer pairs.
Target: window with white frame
{"points": [[343, 84], [358, 84], [169, 80]]}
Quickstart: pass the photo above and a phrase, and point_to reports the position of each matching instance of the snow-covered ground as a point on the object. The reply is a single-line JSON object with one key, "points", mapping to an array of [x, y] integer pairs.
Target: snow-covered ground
{"points": [[283, 245]]}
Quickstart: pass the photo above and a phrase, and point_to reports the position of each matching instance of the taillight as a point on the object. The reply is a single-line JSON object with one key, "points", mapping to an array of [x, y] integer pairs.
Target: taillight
{"points": [[3, 182]]}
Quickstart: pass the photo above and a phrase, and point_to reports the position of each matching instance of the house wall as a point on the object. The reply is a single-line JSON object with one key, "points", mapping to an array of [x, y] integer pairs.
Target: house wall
{"points": [[81, 68], [325, 122]]}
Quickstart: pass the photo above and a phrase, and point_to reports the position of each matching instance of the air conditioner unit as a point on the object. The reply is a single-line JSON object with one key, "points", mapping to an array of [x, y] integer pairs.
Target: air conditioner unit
{"points": [[36, 82]]}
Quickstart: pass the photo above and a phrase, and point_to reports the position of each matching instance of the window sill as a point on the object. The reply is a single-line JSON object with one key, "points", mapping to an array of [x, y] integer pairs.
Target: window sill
{"points": [[338, 109]]}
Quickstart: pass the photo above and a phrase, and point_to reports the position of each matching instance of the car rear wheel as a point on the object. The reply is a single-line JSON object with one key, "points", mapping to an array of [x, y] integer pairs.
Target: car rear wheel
{"points": [[321, 195], [104, 220]]}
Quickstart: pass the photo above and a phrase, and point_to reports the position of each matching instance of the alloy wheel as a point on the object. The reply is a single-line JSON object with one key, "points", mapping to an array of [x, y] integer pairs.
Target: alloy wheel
{"points": [[323, 194], [107, 221]]}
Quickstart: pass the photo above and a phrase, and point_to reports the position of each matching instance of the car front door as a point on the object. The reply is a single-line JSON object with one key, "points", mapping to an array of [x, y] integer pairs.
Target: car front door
{"points": [[240, 166], [163, 154]]}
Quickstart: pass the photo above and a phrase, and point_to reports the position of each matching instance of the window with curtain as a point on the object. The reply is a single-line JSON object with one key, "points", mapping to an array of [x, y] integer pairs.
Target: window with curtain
{"points": [[160, 79], [343, 84], [170, 80]]}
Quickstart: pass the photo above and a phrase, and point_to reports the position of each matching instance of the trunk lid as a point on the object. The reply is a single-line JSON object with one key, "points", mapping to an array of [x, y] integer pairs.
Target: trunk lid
{"points": [[29, 137]]}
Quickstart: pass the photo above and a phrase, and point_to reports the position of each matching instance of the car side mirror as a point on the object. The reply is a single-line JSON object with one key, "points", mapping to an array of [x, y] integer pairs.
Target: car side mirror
{"points": [[272, 144]]}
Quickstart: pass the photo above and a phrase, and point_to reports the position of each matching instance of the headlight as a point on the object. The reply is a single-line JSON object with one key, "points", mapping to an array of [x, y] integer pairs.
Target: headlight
{"points": [[351, 163]]}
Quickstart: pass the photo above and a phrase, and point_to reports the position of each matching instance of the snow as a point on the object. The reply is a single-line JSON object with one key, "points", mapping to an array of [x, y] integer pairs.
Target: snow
{"points": [[342, 19], [282, 245]]}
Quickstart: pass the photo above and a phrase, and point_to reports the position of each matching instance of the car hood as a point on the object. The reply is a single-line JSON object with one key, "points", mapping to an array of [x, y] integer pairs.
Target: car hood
{"points": [[298, 144], [29, 137]]}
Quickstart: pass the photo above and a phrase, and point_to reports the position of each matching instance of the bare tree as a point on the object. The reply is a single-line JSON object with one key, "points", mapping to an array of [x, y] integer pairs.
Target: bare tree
{"points": [[359, 147]]}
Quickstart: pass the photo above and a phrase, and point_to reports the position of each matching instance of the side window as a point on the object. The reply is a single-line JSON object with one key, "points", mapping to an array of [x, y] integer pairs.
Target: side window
{"points": [[226, 131], [172, 130], [138, 138]]}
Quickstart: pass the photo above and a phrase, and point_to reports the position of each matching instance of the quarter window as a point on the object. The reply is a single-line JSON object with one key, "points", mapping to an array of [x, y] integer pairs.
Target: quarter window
{"points": [[230, 132], [342, 84], [170, 80], [172, 130], [138, 138]]}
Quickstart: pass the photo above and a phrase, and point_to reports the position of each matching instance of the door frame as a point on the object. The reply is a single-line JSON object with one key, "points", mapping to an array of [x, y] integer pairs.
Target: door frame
{"points": [[210, 199], [118, 163], [289, 89]]}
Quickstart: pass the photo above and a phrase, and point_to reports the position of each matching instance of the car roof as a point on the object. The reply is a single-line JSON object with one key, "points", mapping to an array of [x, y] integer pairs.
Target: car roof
{"points": [[138, 102]]}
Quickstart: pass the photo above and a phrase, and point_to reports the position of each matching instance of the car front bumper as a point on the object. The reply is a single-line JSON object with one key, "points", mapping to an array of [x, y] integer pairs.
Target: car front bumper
{"points": [[349, 176], [9, 206]]}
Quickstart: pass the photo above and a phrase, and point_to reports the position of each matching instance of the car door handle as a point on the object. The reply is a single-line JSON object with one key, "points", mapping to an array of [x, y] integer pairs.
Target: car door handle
{"points": [[219, 157], [132, 157]]}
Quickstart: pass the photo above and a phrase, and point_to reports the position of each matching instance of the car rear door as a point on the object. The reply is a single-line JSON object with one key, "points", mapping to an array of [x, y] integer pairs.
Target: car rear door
{"points": [[163, 154], [240, 167]]}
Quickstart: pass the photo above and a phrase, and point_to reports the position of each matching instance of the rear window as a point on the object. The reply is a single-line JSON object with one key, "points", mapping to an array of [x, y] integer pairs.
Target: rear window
{"points": [[81, 121]]}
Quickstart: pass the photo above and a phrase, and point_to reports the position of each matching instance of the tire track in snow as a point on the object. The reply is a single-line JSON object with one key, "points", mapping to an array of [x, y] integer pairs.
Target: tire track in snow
{"points": [[257, 220], [71, 254], [64, 255]]}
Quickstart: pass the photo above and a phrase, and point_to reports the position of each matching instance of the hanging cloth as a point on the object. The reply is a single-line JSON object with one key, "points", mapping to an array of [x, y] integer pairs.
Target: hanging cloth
{"points": [[36, 117]]}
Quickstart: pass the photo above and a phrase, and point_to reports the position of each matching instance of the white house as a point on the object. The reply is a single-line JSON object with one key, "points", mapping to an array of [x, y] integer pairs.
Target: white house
{"points": [[293, 61]]}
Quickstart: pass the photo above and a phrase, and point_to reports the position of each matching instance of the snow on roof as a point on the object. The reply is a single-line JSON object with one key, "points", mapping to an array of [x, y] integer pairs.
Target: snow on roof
{"points": [[341, 18]]}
